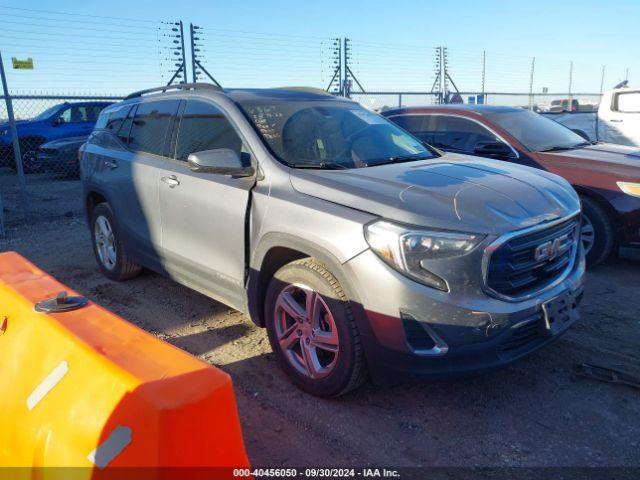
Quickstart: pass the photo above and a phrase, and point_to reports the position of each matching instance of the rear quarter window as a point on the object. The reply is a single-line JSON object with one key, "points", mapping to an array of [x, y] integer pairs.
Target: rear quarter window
{"points": [[627, 102], [150, 126], [112, 119]]}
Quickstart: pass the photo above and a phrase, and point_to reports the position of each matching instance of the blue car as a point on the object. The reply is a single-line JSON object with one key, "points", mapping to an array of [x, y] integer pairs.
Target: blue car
{"points": [[60, 121]]}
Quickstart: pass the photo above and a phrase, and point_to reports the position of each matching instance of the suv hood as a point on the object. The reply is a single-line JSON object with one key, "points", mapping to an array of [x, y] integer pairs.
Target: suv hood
{"points": [[601, 152], [453, 192]]}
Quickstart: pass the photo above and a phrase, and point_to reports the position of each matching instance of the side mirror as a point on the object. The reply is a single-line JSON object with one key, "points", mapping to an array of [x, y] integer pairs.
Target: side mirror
{"points": [[57, 122], [493, 149], [222, 161]]}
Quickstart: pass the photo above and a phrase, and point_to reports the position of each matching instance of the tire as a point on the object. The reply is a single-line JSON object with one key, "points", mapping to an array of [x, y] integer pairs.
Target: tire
{"points": [[118, 265], [333, 347], [597, 224], [29, 151]]}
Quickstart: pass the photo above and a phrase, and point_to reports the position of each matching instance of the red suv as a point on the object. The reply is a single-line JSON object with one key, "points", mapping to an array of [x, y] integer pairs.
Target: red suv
{"points": [[606, 176]]}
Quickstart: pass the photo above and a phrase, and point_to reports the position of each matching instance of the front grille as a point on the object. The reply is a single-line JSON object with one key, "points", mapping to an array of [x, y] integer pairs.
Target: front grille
{"points": [[529, 262]]}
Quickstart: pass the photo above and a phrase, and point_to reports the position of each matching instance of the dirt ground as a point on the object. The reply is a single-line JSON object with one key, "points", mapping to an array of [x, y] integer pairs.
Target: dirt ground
{"points": [[534, 413]]}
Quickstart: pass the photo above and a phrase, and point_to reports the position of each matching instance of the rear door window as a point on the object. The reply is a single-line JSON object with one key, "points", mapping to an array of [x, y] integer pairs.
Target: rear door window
{"points": [[446, 132], [150, 126], [203, 126]]}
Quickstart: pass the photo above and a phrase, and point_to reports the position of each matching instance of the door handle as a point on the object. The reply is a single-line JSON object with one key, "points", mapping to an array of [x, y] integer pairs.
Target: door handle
{"points": [[172, 181], [616, 120], [110, 164]]}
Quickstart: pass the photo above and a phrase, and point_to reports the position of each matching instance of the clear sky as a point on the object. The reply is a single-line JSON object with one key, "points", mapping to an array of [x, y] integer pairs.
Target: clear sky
{"points": [[284, 42]]}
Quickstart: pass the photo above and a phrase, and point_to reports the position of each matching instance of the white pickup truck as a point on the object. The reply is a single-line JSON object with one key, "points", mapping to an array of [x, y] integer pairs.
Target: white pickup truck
{"points": [[616, 121]]}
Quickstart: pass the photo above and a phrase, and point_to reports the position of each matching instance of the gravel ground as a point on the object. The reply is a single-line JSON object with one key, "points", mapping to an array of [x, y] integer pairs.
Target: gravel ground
{"points": [[534, 413]]}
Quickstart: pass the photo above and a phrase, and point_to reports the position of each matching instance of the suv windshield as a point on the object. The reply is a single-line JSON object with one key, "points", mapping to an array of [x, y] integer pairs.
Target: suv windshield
{"points": [[330, 134], [537, 133]]}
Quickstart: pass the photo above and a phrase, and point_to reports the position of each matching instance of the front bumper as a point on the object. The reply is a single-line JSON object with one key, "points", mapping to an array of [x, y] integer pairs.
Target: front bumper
{"points": [[628, 211], [57, 161], [401, 321]]}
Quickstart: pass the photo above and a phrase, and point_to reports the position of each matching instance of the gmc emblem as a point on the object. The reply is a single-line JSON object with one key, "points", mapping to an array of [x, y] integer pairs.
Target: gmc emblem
{"points": [[551, 249]]}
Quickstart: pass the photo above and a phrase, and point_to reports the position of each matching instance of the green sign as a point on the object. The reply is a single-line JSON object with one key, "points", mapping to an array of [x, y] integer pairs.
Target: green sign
{"points": [[22, 64]]}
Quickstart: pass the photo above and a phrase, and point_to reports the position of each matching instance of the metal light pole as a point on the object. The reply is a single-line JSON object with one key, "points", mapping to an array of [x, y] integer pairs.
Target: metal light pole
{"points": [[16, 142]]}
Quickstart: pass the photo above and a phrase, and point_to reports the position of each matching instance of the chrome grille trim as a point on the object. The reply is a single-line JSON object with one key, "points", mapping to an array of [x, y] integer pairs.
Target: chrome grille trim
{"points": [[496, 244]]}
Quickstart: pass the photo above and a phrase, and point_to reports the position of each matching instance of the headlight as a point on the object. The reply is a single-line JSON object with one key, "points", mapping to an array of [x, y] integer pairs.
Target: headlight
{"points": [[632, 189], [409, 251]]}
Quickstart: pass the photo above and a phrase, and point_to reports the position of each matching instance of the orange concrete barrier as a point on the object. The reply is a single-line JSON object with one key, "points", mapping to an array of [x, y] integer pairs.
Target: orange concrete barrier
{"points": [[85, 388]]}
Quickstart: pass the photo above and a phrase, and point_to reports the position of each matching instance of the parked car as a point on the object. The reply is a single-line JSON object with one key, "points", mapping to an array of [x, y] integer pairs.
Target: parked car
{"points": [[606, 176], [60, 121], [617, 119], [356, 246], [59, 156], [562, 105]]}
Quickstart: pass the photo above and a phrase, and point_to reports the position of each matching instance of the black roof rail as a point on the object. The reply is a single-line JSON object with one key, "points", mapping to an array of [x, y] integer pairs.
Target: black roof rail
{"points": [[177, 86]]}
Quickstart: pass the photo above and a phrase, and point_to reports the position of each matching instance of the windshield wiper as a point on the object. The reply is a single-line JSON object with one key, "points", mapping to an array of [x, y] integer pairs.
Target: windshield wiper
{"points": [[401, 158], [557, 149], [320, 166], [572, 147]]}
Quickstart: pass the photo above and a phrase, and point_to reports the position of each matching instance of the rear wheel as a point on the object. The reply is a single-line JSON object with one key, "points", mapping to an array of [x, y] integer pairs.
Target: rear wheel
{"points": [[312, 330], [109, 250], [598, 234]]}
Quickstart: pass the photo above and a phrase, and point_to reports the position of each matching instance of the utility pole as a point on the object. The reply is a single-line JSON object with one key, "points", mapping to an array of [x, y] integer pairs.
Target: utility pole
{"points": [[570, 105], [16, 144], [602, 82], [179, 52], [336, 80], [533, 67], [484, 71], [196, 36], [437, 87], [349, 77], [192, 39]]}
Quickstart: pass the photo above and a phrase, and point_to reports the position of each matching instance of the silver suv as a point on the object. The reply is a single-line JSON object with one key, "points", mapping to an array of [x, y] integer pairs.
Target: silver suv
{"points": [[360, 249]]}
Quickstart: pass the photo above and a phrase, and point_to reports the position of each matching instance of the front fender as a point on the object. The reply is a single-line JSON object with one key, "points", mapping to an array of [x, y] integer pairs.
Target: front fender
{"points": [[257, 282]]}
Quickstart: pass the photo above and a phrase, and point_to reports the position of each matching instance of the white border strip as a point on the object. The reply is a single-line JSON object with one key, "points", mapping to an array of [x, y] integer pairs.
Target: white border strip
{"points": [[47, 384]]}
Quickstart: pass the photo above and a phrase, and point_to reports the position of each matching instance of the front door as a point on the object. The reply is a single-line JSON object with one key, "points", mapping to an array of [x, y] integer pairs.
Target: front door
{"points": [[203, 214]]}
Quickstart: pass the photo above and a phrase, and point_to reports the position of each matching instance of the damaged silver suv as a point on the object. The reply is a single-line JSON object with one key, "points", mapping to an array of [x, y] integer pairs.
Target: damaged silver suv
{"points": [[361, 250]]}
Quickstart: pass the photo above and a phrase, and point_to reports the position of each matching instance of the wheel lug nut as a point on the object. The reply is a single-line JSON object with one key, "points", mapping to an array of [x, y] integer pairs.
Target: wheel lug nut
{"points": [[307, 340], [299, 332]]}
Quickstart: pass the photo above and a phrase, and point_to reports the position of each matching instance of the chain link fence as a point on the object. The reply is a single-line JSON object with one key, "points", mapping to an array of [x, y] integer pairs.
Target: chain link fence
{"points": [[69, 51], [50, 131]]}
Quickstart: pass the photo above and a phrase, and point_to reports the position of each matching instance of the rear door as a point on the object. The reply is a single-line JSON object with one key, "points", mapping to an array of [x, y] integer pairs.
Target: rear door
{"points": [[620, 122], [130, 174], [203, 214]]}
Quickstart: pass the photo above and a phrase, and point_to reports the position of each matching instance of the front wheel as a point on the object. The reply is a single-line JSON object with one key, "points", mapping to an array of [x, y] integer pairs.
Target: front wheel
{"points": [[312, 330], [598, 234]]}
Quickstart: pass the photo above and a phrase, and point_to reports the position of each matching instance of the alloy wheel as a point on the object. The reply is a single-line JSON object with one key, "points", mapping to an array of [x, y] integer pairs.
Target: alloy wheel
{"points": [[306, 331], [105, 242], [587, 234]]}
